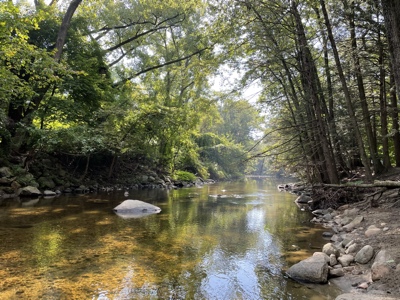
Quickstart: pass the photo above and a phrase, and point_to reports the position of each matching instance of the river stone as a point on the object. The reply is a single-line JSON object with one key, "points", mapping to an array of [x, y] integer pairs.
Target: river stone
{"points": [[322, 255], [29, 191], [364, 255], [313, 269], [329, 249], [383, 264], [327, 234], [303, 199], [49, 193], [135, 209], [372, 230], [337, 272], [351, 212], [332, 260], [345, 220], [353, 248], [353, 224], [346, 260]]}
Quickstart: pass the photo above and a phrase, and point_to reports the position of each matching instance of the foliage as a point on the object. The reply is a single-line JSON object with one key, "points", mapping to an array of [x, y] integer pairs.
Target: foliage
{"points": [[184, 176], [137, 79]]}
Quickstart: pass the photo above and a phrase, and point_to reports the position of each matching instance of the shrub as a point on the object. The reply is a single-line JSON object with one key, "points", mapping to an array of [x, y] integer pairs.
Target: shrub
{"points": [[184, 176]]}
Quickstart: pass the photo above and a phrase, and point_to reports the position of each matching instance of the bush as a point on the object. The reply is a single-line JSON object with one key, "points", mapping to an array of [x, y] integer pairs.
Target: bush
{"points": [[184, 176]]}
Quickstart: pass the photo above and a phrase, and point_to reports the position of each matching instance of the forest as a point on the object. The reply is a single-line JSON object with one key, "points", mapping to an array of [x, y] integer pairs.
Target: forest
{"points": [[109, 89]]}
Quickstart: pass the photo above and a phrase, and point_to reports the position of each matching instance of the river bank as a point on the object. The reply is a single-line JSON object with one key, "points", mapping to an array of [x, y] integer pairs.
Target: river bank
{"points": [[49, 176], [362, 256]]}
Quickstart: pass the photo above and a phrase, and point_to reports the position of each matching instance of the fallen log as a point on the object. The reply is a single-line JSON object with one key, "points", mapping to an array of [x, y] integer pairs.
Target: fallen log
{"points": [[377, 183]]}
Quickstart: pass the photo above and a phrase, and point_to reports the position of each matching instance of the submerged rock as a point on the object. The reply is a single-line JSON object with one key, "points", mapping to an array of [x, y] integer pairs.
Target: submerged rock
{"points": [[135, 209]]}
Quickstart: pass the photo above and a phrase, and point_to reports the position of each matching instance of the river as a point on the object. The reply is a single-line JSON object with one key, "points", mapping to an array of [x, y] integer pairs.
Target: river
{"points": [[201, 246]]}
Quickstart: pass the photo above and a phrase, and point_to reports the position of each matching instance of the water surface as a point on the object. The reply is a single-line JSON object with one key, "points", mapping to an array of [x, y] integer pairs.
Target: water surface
{"points": [[222, 241]]}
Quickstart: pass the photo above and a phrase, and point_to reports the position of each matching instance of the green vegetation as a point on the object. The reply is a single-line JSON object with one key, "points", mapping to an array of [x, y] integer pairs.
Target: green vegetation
{"points": [[123, 86], [184, 176]]}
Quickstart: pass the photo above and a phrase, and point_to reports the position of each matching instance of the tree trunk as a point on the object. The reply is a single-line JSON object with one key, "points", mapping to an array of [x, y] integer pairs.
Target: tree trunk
{"points": [[330, 107], [353, 120], [391, 13], [310, 82], [395, 120], [62, 33], [371, 137], [383, 106]]}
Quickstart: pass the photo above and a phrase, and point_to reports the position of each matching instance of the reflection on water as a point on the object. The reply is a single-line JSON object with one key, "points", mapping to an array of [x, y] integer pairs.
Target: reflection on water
{"points": [[223, 241]]}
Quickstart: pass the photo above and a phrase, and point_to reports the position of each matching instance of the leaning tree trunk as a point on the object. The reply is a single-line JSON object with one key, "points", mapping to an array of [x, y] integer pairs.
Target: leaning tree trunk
{"points": [[352, 115], [62, 33], [309, 75]]}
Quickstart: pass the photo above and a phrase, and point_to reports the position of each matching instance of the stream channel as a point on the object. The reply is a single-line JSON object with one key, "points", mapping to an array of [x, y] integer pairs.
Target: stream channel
{"points": [[200, 246]]}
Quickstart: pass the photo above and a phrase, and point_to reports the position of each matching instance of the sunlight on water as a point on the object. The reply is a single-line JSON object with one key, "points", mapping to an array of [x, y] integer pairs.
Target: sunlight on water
{"points": [[222, 241]]}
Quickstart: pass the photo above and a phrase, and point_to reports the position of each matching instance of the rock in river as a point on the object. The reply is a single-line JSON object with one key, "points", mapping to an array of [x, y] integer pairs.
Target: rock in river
{"points": [[313, 269], [135, 209]]}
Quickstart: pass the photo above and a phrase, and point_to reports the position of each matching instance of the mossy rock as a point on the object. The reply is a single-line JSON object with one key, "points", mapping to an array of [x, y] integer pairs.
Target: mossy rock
{"points": [[5, 172], [27, 179], [46, 182]]}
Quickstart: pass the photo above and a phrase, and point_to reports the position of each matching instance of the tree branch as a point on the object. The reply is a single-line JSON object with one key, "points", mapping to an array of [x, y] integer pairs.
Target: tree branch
{"points": [[159, 66]]}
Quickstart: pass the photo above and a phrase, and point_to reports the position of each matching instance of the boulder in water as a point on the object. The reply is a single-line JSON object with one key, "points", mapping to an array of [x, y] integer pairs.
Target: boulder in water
{"points": [[135, 209]]}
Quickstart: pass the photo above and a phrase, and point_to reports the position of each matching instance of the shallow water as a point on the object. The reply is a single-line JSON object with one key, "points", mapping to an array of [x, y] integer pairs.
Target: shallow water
{"points": [[221, 241]]}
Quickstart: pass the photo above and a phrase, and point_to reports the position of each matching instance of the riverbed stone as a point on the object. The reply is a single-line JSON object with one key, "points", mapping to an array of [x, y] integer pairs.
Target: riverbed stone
{"points": [[344, 221], [346, 260], [372, 230], [313, 269], [364, 255], [353, 248], [322, 255], [329, 249], [332, 260], [336, 272], [303, 198], [49, 193], [327, 234], [353, 224], [351, 212], [382, 266], [29, 191]]}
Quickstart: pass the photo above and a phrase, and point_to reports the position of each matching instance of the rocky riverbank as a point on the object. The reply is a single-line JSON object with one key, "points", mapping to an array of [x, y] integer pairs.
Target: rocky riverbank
{"points": [[362, 257], [21, 183]]}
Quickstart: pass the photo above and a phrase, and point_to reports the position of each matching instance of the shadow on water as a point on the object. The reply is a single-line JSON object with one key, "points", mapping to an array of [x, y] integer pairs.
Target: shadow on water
{"points": [[222, 241]]}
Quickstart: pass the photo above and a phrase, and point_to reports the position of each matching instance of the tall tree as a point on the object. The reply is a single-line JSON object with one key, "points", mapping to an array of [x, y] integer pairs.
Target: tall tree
{"points": [[391, 12], [346, 92]]}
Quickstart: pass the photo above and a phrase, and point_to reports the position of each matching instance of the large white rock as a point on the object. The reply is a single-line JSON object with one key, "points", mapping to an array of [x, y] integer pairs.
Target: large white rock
{"points": [[135, 209]]}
